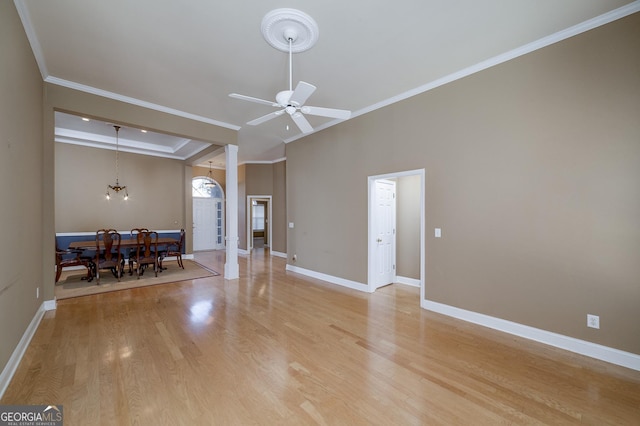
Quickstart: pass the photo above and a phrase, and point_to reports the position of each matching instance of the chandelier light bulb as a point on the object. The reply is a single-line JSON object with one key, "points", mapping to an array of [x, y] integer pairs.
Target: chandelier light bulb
{"points": [[117, 187]]}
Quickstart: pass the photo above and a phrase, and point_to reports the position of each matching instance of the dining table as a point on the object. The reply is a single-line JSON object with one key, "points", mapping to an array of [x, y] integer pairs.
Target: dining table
{"points": [[124, 243]]}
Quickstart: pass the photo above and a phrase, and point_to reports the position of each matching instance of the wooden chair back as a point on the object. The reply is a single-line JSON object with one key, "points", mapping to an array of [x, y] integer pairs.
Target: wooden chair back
{"points": [[175, 249], [109, 255], [146, 251]]}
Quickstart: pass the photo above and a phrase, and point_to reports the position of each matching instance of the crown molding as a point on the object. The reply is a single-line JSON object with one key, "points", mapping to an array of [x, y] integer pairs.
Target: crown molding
{"points": [[137, 102], [582, 27], [23, 12], [512, 54]]}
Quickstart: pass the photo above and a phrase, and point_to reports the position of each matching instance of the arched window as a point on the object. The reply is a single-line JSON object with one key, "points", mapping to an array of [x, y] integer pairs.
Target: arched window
{"points": [[203, 187]]}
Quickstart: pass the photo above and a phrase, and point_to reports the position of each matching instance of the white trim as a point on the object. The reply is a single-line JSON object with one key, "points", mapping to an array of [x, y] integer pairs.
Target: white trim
{"points": [[370, 245], [137, 102], [25, 17], [249, 218], [559, 36], [14, 361], [329, 278], [408, 281], [231, 266], [278, 254], [49, 305], [277, 160], [582, 347], [148, 152]]}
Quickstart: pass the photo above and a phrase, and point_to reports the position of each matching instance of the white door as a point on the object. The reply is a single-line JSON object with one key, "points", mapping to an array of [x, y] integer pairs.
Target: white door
{"points": [[204, 224], [384, 232]]}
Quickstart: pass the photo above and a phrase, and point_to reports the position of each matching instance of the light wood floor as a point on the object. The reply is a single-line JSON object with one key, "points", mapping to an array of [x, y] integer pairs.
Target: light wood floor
{"points": [[276, 348]]}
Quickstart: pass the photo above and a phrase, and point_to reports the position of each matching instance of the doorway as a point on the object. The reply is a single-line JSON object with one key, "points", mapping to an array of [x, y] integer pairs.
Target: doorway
{"points": [[208, 214], [382, 243], [258, 221]]}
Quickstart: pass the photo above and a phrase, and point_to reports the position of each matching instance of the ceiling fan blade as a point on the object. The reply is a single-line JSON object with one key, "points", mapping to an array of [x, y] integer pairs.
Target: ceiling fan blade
{"points": [[301, 94], [326, 112], [264, 118], [301, 122], [252, 99]]}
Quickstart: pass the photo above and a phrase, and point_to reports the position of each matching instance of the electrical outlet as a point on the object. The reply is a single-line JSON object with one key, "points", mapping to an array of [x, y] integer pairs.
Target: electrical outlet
{"points": [[295, 257], [593, 321], [37, 292]]}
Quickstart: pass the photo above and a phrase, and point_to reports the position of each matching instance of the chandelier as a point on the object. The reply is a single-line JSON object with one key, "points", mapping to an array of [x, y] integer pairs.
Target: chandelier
{"points": [[210, 183], [117, 187]]}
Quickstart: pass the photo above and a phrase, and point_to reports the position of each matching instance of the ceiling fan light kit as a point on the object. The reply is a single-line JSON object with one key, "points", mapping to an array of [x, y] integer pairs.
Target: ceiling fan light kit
{"points": [[292, 31]]}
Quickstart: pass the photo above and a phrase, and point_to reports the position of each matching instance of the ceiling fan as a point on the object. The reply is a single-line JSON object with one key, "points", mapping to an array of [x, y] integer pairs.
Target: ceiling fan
{"points": [[292, 101]]}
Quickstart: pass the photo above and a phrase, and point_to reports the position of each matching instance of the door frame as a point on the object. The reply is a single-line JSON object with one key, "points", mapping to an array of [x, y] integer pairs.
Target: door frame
{"points": [[249, 216], [371, 243], [223, 213]]}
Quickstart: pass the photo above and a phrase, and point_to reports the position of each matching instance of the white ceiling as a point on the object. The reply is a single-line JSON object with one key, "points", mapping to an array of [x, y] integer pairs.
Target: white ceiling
{"points": [[185, 57], [78, 130]]}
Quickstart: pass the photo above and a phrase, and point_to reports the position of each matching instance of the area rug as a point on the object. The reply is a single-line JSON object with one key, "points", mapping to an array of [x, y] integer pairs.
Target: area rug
{"points": [[72, 285]]}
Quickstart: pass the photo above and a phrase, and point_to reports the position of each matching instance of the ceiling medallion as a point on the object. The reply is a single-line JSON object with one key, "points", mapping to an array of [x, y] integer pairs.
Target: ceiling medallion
{"points": [[281, 25]]}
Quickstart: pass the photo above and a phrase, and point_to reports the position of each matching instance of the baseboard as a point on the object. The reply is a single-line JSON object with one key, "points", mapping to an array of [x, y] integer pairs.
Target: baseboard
{"points": [[278, 254], [408, 281], [14, 361], [582, 347], [329, 278]]}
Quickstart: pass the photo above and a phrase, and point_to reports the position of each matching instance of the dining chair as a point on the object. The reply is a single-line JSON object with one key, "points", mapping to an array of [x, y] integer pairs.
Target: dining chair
{"points": [[173, 249], [68, 258], [108, 256], [132, 252], [146, 252]]}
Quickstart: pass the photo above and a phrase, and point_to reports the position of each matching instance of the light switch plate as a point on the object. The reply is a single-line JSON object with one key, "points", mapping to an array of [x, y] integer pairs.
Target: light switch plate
{"points": [[438, 233]]}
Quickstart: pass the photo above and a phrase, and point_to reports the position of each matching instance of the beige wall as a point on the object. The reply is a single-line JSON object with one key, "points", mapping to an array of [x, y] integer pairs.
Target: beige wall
{"points": [[279, 208], [259, 179], [408, 226], [155, 186], [532, 172], [269, 179], [21, 162]]}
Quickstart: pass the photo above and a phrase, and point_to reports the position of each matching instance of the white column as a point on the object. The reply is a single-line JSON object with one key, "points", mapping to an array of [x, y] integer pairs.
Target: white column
{"points": [[231, 268]]}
